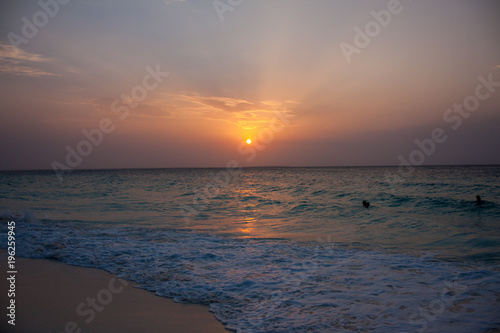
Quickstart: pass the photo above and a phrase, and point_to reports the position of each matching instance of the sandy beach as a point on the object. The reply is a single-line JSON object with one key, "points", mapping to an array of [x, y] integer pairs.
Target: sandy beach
{"points": [[54, 297]]}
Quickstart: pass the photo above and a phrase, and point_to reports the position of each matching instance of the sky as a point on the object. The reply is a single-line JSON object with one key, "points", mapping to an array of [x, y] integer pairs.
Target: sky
{"points": [[153, 84]]}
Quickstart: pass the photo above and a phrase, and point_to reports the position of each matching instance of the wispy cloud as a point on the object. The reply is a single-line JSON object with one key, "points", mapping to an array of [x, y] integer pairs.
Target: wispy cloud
{"points": [[18, 62], [243, 113], [104, 105], [23, 70]]}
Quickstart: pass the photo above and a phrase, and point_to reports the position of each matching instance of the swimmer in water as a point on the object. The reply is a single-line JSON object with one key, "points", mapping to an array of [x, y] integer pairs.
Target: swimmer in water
{"points": [[478, 200], [366, 204]]}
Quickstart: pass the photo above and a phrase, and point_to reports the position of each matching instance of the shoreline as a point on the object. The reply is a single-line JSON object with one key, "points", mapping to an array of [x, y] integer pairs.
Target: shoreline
{"points": [[51, 296]]}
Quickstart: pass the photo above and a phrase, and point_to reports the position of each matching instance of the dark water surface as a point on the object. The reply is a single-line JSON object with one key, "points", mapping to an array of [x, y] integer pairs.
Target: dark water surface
{"points": [[281, 249]]}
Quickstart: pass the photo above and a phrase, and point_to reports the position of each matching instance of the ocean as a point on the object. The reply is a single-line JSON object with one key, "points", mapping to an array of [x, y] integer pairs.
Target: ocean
{"points": [[280, 249]]}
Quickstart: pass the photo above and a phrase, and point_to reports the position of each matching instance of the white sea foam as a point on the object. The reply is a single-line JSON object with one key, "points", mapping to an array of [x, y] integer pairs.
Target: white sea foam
{"points": [[268, 285], [129, 222]]}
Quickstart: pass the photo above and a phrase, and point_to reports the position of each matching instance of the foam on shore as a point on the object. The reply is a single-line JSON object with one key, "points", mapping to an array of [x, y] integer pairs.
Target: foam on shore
{"points": [[48, 294], [280, 285]]}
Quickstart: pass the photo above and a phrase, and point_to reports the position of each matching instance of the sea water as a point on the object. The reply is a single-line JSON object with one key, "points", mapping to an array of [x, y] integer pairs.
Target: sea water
{"points": [[281, 249]]}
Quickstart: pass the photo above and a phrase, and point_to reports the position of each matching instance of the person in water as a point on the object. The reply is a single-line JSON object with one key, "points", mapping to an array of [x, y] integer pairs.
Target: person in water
{"points": [[478, 200], [366, 204]]}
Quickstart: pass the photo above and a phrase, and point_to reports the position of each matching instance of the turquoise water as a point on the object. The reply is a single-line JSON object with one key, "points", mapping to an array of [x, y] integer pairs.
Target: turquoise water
{"points": [[281, 249], [434, 209]]}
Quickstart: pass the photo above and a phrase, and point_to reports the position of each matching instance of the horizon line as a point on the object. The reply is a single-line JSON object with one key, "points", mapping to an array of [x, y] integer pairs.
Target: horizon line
{"points": [[262, 167]]}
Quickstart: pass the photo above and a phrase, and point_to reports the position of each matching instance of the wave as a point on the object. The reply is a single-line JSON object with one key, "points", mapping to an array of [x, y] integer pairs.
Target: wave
{"points": [[257, 285]]}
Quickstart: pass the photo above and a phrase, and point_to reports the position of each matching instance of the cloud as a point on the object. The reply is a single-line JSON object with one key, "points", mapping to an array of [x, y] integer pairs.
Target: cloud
{"points": [[23, 70], [243, 113], [104, 104], [18, 62]]}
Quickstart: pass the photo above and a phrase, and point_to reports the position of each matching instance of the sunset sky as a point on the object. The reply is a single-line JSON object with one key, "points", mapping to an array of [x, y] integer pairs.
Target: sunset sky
{"points": [[232, 67]]}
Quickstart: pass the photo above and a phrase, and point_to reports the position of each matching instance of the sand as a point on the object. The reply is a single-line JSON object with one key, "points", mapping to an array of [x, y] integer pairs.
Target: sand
{"points": [[55, 297]]}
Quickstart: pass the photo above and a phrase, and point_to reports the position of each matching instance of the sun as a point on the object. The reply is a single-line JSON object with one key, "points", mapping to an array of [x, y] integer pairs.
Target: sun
{"points": [[249, 141]]}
